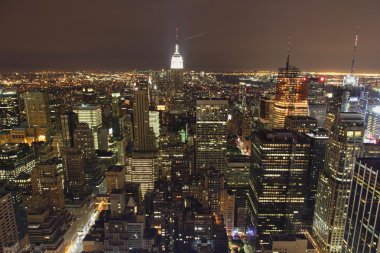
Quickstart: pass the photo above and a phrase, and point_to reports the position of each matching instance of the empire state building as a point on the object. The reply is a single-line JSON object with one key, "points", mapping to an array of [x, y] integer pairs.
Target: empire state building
{"points": [[177, 60]]}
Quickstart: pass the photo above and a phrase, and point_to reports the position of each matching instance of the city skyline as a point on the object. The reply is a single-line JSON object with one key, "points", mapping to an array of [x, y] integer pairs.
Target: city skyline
{"points": [[228, 36]]}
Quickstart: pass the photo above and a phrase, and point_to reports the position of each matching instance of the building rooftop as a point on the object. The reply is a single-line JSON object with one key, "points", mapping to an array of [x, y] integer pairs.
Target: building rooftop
{"points": [[370, 162]]}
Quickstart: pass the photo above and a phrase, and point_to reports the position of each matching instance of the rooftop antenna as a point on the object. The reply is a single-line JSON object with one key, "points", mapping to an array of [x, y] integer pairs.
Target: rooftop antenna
{"points": [[176, 41], [354, 52], [288, 57]]}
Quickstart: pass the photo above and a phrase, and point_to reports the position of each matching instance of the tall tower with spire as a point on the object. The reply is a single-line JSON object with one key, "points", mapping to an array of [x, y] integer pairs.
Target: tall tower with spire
{"points": [[291, 94], [177, 60]]}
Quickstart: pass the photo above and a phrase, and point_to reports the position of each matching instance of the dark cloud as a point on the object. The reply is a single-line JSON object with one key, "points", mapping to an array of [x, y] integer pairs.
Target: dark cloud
{"points": [[139, 34]]}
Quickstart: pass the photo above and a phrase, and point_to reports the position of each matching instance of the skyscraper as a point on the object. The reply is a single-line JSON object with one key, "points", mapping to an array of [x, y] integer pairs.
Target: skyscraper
{"points": [[92, 115], [373, 124], [211, 135], [316, 98], [69, 121], [177, 61], [277, 194], [9, 109], [362, 229], [84, 140], [8, 227], [344, 145], [37, 109], [48, 183], [143, 134], [318, 142], [143, 170], [291, 95], [74, 171]]}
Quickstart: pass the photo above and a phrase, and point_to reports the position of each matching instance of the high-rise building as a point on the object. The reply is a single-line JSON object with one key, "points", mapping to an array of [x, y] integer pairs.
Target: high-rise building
{"points": [[84, 140], [8, 227], [214, 186], [278, 183], [291, 95], [9, 109], [74, 171], [92, 115], [48, 183], [227, 206], [115, 178], [211, 135], [362, 229], [344, 145], [154, 122], [316, 98], [143, 170], [318, 142], [177, 60], [266, 111], [15, 159], [37, 109], [373, 124], [117, 130], [300, 124], [143, 134], [69, 121]]}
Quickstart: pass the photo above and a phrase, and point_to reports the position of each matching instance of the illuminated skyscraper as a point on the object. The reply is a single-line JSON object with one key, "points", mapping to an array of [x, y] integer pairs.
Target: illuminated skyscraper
{"points": [[362, 230], [8, 226], [266, 113], [177, 61], [277, 196], [37, 109], [373, 124], [143, 170], [92, 115], [211, 135], [48, 183], [9, 109], [143, 134], [214, 186], [344, 145], [291, 95]]}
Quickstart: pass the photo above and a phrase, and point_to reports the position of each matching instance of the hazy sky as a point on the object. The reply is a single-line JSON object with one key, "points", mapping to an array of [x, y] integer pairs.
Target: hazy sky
{"points": [[139, 34]]}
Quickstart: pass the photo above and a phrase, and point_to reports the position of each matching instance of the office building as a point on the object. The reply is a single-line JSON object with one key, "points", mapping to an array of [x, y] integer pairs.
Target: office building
{"points": [[115, 178], [266, 110], [214, 186], [69, 121], [142, 133], [9, 109], [291, 95], [48, 183], [316, 98], [8, 226], [15, 159], [373, 124], [227, 210], [277, 196], [37, 109], [211, 135], [74, 171], [318, 139], [300, 124], [92, 115], [143, 170], [362, 229], [344, 145]]}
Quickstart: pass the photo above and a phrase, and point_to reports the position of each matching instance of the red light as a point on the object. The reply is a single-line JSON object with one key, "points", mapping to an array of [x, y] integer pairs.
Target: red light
{"points": [[322, 79]]}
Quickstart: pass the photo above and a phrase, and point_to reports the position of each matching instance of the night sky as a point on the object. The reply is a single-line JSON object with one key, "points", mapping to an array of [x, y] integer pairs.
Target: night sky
{"points": [[236, 34]]}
